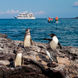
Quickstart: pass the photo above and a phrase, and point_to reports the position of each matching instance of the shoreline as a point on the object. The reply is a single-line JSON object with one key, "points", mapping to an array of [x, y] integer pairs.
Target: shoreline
{"points": [[36, 62]]}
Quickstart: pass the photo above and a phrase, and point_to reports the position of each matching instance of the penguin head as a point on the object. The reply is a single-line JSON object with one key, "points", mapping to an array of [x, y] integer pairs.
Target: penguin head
{"points": [[52, 35], [19, 50], [28, 30], [54, 38]]}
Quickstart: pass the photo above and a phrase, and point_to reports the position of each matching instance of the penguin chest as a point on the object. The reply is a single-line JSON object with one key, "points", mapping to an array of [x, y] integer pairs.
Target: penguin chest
{"points": [[53, 45], [27, 41], [18, 59]]}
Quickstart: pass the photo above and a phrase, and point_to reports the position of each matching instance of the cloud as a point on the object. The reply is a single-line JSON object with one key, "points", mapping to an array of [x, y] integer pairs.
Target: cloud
{"points": [[40, 13], [75, 4], [12, 11]]}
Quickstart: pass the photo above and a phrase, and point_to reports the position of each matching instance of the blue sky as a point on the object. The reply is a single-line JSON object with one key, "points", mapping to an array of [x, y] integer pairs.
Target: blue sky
{"points": [[40, 8]]}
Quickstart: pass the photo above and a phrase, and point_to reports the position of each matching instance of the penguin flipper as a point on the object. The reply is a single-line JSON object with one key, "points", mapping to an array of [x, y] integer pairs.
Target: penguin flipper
{"points": [[31, 41], [47, 39], [60, 45]]}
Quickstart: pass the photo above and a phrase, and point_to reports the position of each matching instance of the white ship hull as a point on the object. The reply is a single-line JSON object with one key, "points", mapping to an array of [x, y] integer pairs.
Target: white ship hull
{"points": [[24, 18], [25, 15]]}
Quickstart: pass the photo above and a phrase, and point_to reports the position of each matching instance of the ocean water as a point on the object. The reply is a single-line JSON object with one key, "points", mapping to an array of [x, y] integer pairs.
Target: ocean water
{"points": [[66, 30]]}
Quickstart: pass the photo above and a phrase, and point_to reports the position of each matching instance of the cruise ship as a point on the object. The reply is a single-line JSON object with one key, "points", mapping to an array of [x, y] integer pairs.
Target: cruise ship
{"points": [[25, 15]]}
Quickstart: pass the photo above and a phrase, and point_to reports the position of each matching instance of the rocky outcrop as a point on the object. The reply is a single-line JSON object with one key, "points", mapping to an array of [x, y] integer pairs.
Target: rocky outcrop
{"points": [[36, 62]]}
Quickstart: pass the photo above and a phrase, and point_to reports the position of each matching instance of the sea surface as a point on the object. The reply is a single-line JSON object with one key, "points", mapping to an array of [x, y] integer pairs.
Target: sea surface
{"points": [[66, 30]]}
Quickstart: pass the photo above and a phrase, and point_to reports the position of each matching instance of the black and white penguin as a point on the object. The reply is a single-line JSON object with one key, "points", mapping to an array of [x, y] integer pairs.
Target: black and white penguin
{"points": [[54, 42], [27, 38], [18, 58]]}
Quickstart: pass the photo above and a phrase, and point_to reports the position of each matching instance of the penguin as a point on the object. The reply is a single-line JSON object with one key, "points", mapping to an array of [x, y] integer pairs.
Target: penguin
{"points": [[54, 42], [18, 58], [27, 38]]}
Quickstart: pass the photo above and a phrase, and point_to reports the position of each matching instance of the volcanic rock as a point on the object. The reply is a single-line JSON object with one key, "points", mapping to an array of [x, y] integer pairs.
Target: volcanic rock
{"points": [[36, 63]]}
